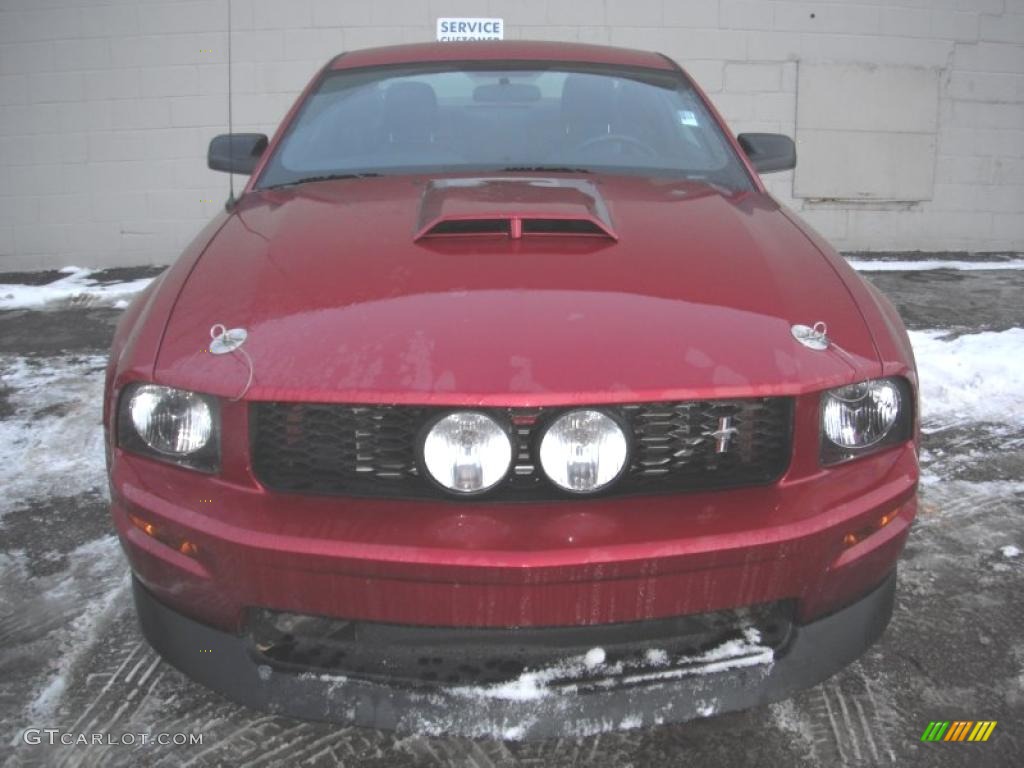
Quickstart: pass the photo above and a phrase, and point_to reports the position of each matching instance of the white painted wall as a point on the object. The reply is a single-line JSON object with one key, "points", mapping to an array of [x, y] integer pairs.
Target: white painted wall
{"points": [[106, 108]]}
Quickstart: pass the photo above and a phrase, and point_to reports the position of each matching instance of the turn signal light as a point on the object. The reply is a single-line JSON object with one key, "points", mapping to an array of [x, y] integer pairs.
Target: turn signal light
{"points": [[187, 548], [147, 528], [855, 537], [184, 546]]}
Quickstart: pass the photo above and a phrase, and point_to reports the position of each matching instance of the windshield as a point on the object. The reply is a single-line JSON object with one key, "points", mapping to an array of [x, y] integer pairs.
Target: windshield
{"points": [[530, 117]]}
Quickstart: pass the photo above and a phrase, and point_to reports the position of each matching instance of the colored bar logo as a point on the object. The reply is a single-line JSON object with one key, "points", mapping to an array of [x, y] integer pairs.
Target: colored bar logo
{"points": [[958, 730]]}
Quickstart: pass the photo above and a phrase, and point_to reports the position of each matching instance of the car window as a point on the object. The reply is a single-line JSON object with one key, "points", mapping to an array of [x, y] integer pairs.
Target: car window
{"points": [[434, 118]]}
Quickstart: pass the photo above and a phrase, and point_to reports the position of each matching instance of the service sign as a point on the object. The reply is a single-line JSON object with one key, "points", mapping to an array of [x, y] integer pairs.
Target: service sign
{"points": [[450, 30]]}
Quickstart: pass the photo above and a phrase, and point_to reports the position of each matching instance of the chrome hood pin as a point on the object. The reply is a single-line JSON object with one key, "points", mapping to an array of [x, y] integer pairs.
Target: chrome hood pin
{"points": [[225, 341], [812, 337]]}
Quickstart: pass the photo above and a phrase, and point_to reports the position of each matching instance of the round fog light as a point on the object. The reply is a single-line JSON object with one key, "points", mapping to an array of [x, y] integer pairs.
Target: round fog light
{"points": [[467, 452], [583, 451]]}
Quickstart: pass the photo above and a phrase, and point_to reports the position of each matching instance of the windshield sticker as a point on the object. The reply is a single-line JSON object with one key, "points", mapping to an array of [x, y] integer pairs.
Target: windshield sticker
{"points": [[686, 117]]}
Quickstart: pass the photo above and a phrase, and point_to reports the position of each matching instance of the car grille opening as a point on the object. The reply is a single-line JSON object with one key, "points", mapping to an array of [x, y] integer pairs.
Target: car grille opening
{"points": [[372, 450], [562, 227], [471, 227], [414, 655], [516, 227]]}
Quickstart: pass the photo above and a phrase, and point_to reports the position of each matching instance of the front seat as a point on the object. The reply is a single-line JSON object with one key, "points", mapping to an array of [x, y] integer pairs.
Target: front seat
{"points": [[410, 113]]}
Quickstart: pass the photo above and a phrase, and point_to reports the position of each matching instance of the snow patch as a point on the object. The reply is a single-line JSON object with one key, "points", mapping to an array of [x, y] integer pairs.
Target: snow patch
{"points": [[97, 568], [563, 677], [656, 657], [47, 699], [974, 377], [529, 686], [707, 708], [872, 265], [630, 722], [52, 445], [786, 718], [78, 287]]}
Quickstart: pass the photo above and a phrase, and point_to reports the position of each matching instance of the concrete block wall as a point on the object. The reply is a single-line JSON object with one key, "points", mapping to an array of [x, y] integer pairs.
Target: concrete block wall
{"points": [[106, 106]]}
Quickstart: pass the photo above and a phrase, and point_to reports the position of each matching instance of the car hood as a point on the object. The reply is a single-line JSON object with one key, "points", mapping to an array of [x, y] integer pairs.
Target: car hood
{"points": [[681, 292]]}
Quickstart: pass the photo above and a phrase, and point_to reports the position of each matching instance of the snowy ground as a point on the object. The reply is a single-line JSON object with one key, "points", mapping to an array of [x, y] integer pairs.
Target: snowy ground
{"points": [[71, 656]]}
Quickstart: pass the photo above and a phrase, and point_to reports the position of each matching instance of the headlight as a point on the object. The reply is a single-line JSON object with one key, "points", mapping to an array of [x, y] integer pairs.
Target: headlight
{"points": [[583, 451], [170, 424], [467, 452], [864, 417]]}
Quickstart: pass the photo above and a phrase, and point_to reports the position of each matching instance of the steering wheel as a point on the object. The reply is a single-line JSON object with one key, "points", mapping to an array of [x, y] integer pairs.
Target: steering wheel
{"points": [[618, 138]]}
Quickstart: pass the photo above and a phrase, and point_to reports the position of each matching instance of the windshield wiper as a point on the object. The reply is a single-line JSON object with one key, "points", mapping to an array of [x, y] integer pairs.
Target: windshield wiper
{"points": [[543, 169], [324, 177]]}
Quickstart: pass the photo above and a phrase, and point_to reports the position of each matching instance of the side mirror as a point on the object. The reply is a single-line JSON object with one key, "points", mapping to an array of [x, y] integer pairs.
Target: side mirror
{"points": [[769, 151], [236, 152]]}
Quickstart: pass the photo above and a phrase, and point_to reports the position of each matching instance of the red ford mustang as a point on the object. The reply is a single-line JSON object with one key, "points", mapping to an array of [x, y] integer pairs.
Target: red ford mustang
{"points": [[504, 400]]}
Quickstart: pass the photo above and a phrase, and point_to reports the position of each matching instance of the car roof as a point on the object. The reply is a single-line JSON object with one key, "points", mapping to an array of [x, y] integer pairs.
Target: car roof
{"points": [[501, 50]]}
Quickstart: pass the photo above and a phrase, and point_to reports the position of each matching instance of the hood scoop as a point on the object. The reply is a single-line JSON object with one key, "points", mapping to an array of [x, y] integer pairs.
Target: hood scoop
{"points": [[513, 207]]}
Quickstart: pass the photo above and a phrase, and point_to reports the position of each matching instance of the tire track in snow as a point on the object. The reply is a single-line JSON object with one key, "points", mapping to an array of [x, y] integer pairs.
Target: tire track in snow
{"points": [[135, 649], [839, 721], [849, 725], [833, 740], [109, 708], [884, 718], [236, 732], [868, 738], [464, 752]]}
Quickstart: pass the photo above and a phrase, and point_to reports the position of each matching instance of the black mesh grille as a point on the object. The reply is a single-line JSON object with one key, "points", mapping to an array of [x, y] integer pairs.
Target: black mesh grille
{"points": [[372, 450]]}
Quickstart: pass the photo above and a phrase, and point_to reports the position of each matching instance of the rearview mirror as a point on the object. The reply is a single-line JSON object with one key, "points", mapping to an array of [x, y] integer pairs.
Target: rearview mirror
{"points": [[769, 151], [236, 152]]}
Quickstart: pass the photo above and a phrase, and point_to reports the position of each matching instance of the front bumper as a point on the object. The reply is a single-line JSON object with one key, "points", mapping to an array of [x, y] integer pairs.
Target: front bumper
{"points": [[573, 563], [512, 569], [231, 664]]}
